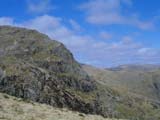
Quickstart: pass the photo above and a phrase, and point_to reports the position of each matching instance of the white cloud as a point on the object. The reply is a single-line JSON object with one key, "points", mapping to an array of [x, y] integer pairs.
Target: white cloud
{"points": [[107, 12], [75, 25], [39, 6], [88, 49], [6, 21], [105, 35]]}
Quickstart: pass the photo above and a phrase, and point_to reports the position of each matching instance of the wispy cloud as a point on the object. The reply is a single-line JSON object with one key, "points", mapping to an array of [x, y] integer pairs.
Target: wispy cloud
{"points": [[39, 6], [105, 35], [75, 25], [108, 12], [6, 21], [88, 49]]}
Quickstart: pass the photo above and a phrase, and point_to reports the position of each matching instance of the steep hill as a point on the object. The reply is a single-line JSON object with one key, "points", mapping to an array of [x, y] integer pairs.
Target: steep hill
{"points": [[32, 66]]}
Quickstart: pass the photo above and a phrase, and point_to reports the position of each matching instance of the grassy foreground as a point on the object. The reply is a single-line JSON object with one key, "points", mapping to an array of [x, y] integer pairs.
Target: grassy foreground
{"points": [[12, 108]]}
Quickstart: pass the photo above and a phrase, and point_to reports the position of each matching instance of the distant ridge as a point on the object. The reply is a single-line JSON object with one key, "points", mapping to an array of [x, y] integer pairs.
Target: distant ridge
{"points": [[132, 67]]}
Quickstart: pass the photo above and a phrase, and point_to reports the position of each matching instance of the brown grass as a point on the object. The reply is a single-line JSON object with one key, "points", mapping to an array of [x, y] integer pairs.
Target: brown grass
{"points": [[12, 108]]}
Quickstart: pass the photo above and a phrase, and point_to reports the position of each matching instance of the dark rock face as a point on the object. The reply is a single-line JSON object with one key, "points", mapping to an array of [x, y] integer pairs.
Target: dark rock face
{"points": [[36, 68]]}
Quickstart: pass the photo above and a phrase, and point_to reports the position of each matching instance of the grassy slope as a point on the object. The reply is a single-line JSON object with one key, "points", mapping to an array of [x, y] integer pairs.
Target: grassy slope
{"points": [[138, 82], [135, 98], [12, 108]]}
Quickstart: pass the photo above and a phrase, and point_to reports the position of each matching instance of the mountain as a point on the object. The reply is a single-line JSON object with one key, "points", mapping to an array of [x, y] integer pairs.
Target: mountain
{"points": [[141, 80], [34, 67], [136, 67]]}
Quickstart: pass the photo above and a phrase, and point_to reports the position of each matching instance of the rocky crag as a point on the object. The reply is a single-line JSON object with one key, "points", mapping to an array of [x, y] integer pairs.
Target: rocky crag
{"points": [[34, 67]]}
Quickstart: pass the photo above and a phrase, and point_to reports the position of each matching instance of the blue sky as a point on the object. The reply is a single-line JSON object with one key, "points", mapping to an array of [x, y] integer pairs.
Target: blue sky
{"points": [[102, 33]]}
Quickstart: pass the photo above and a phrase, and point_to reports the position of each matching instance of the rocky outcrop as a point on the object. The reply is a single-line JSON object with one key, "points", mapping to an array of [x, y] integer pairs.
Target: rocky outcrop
{"points": [[34, 67]]}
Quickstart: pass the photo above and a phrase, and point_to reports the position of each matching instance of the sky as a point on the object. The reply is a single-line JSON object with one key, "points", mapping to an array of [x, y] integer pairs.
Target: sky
{"points": [[102, 33]]}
